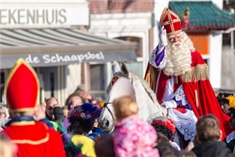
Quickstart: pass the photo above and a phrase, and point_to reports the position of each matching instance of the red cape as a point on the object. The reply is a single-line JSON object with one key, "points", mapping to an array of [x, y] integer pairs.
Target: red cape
{"points": [[35, 139], [197, 88]]}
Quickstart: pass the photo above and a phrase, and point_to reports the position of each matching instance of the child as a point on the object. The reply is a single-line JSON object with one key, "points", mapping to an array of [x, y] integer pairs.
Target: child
{"points": [[208, 136], [132, 136]]}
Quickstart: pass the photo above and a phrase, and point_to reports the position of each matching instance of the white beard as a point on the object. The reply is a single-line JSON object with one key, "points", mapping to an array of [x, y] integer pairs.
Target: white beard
{"points": [[178, 60]]}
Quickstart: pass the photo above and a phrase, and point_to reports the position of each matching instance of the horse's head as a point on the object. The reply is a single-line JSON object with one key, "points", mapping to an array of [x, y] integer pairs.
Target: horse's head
{"points": [[107, 118], [145, 97], [117, 73]]}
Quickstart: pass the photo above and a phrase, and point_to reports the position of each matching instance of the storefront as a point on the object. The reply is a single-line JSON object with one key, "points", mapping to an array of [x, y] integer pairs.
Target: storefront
{"points": [[48, 37]]}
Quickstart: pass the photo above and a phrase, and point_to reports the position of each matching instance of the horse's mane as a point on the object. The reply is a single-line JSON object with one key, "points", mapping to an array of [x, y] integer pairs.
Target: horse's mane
{"points": [[145, 98], [123, 71], [132, 75]]}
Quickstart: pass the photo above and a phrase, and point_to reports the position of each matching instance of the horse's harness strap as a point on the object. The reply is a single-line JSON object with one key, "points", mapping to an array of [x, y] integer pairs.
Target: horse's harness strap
{"points": [[106, 106]]}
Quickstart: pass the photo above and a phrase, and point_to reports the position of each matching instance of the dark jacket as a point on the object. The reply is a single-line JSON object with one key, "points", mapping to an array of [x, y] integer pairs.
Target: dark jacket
{"points": [[212, 149]]}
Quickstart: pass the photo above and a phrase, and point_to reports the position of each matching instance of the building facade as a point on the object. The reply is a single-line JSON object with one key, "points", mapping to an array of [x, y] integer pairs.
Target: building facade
{"points": [[52, 36], [50, 30]]}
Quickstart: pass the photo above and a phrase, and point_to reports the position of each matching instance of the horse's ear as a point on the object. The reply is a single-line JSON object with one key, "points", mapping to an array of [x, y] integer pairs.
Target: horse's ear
{"points": [[115, 67], [124, 69]]}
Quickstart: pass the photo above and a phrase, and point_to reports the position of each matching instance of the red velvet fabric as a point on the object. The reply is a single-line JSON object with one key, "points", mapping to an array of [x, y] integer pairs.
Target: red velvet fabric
{"points": [[22, 87], [207, 102], [170, 21], [35, 140]]}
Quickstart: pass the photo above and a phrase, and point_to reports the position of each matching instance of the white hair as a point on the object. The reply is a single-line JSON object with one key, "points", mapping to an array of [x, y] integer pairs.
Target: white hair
{"points": [[178, 60]]}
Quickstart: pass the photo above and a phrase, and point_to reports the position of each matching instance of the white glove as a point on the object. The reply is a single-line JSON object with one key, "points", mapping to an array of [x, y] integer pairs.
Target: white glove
{"points": [[163, 37], [169, 104]]}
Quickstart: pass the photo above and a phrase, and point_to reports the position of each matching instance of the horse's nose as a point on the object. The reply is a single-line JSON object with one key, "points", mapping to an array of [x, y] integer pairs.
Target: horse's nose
{"points": [[106, 123]]}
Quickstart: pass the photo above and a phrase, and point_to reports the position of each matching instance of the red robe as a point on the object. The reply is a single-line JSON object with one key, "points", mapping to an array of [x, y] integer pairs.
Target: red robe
{"points": [[197, 89], [35, 139]]}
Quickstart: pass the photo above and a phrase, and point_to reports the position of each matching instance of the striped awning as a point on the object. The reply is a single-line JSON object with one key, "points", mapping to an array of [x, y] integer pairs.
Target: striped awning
{"points": [[60, 46]]}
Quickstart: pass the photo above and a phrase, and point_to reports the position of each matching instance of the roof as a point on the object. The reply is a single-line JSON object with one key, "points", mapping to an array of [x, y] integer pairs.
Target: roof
{"points": [[60, 46], [204, 15]]}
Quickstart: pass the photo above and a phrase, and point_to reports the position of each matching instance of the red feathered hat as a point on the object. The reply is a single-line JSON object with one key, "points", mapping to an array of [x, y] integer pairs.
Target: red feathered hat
{"points": [[22, 87], [170, 21], [164, 121]]}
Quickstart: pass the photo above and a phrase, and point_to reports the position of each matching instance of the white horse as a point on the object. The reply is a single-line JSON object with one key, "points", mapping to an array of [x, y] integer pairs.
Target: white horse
{"points": [[145, 98]]}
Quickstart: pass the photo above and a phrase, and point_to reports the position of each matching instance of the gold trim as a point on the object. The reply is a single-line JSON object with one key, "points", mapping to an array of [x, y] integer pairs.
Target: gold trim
{"points": [[22, 123], [163, 15], [173, 33], [19, 62], [23, 109], [153, 76], [32, 142], [199, 72], [196, 96]]}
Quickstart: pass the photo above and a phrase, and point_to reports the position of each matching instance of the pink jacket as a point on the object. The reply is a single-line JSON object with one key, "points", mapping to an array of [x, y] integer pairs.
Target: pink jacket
{"points": [[134, 137]]}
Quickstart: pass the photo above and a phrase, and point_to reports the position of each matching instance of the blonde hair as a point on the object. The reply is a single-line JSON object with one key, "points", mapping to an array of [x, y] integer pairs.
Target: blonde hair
{"points": [[125, 106], [7, 148]]}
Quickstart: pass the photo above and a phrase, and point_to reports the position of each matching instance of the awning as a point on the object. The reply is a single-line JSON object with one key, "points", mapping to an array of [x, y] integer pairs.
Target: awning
{"points": [[60, 46], [204, 15]]}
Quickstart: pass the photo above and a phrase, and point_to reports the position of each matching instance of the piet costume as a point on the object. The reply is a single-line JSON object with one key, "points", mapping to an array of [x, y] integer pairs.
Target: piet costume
{"points": [[166, 126], [32, 138], [189, 94], [81, 120]]}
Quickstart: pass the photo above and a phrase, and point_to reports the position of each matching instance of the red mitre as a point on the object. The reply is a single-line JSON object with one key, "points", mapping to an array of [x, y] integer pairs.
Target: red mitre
{"points": [[170, 21], [22, 87]]}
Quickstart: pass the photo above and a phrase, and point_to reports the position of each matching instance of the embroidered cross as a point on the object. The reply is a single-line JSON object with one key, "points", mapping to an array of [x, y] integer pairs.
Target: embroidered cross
{"points": [[170, 21]]}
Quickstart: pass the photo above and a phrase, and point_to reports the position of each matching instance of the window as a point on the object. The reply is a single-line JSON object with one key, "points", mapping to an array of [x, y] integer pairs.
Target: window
{"points": [[98, 84], [139, 52], [52, 83]]}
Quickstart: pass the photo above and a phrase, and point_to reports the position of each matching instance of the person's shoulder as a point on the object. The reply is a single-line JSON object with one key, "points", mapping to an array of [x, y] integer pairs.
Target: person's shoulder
{"points": [[195, 53], [81, 139], [196, 58]]}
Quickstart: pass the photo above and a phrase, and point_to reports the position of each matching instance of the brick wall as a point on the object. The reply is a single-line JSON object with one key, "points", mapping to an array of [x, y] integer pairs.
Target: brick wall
{"points": [[120, 6]]}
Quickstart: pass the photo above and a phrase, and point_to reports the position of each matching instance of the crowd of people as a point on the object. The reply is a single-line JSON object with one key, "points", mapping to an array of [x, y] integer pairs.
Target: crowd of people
{"points": [[196, 125]]}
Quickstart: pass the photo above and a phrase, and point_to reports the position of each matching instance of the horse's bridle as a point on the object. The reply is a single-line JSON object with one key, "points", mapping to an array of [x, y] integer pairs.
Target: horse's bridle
{"points": [[106, 106]]}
